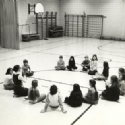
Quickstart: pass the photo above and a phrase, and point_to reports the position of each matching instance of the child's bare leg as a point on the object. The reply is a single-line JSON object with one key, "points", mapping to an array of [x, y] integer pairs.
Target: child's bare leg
{"points": [[41, 98]]}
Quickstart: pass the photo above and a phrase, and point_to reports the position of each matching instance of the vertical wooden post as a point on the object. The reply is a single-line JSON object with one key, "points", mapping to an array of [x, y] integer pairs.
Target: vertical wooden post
{"points": [[65, 24], [51, 19], [47, 24], [83, 20], [72, 24], [77, 24], [68, 25], [55, 18], [87, 26], [102, 26], [36, 23]]}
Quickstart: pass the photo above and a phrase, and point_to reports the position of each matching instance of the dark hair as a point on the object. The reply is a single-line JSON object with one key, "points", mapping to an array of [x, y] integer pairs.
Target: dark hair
{"points": [[8, 71], [16, 68], [122, 70], [106, 69], [93, 83], [76, 88], [34, 83], [72, 57], [114, 80], [95, 56], [61, 57], [53, 89], [25, 61]]}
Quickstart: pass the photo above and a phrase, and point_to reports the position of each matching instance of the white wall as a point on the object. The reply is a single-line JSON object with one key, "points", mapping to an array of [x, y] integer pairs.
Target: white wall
{"points": [[114, 10], [24, 18]]}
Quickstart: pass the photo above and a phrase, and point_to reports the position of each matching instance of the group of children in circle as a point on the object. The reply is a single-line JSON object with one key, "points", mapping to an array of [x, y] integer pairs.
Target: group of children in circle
{"points": [[115, 88]]}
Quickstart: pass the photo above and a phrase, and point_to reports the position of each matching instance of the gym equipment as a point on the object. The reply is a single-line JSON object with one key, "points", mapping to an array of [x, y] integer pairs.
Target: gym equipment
{"points": [[56, 31], [89, 26]]}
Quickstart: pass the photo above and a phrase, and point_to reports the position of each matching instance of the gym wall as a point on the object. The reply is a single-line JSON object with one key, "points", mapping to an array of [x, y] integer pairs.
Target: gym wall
{"points": [[114, 10], [24, 18]]}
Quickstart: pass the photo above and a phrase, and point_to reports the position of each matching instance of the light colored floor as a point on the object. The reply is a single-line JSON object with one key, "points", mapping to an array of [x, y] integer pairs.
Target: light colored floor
{"points": [[42, 56]]}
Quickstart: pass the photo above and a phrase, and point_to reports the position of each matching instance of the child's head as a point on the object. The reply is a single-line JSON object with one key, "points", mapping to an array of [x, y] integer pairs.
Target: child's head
{"points": [[114, 80], [34, 83], [123, 76], [16, 68], [25, 62], [60, 57], [9, 71], [94, 57], [72, 58], [105, 64], [53, 89], [121, 70], [92, 83], [86, 57], [76, 87]]}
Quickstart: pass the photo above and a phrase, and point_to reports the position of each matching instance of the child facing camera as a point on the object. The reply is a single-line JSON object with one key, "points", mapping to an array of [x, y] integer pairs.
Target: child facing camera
{"points": [[53, 100], [92, 95], [34, 94], [72, 65], [93, 65], [86, 64], [60, 64], [26, 69]]}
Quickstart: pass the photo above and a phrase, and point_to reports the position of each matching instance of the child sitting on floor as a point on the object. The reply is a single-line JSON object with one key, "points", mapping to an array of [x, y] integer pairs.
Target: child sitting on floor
{"points": [[93, 65], [26, 69], [8, 80], [53, 100], [72, 65], [122, 83], [92, 95], [86, 64], [60, 64], [105, 72], [75, 98], [34, 94], [112, 91]]}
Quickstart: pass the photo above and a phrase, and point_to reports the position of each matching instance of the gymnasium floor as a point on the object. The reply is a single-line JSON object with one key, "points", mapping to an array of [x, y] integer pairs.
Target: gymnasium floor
{"points": [[43, 56]]}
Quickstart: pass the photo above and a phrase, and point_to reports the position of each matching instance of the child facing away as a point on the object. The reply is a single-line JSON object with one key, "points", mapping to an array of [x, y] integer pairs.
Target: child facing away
{"points": [[92, 95], [53, 100], [72, 65], [75, 98], [60, 64], [86, 64], [105, 72], [122, 83], [26, 69], [8, 80], [34, 94], [112, 91], [93, 65]]}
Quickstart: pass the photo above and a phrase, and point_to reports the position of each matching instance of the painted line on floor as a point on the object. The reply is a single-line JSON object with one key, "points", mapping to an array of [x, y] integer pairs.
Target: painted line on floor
{"points": [[81, 115]]}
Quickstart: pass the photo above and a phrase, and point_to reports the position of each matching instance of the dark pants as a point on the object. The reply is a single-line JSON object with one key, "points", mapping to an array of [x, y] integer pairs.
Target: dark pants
{"points": [[92, 72], [73, 103], [20, 91], [28, 74], [85, 68], [70, 68]]}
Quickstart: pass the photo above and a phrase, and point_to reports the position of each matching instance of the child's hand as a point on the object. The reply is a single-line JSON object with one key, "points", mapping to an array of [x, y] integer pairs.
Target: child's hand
{"points": [[64, 111], [43, 111]]}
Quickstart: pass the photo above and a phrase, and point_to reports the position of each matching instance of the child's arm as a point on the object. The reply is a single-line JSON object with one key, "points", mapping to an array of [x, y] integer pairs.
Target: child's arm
{"points": [[46, 105], [61, 105]]}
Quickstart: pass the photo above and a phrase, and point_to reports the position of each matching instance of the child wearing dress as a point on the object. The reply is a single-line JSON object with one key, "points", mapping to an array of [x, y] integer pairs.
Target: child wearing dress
{"points": [[112, 91], [72, 65], [75, 98], [8, 80], [34, 94], [92, 95], [26, 69], [60, 64], [105, 72], [53, 100], [93, 65], [86, 64], [18, 80], [122, 83]]}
